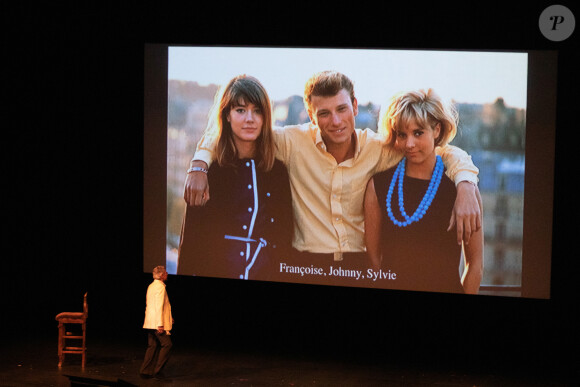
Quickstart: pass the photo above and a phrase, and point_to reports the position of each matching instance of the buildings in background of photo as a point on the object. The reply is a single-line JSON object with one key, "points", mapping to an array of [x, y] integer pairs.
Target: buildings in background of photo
{"points": [[493, 134]]}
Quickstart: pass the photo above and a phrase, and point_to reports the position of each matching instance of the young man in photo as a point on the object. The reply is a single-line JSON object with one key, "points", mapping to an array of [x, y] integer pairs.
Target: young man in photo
{"points": [[329, 164]]}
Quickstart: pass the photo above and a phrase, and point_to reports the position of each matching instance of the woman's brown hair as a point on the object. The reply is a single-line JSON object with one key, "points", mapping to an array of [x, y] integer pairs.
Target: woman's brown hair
{"points": [[239, 91]]}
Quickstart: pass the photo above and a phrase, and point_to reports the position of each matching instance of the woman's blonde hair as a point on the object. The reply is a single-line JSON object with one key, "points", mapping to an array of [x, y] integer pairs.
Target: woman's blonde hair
{"points": [[423, 106], [241, 90]]}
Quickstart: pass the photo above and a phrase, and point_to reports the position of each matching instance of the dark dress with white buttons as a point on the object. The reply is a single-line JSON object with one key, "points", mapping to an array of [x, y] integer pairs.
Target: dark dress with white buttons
{"points": [[244, 230]]}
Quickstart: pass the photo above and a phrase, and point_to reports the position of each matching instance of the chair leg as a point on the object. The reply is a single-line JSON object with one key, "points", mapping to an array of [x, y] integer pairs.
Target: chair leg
{"points": [[84, 345], [60, 344]]}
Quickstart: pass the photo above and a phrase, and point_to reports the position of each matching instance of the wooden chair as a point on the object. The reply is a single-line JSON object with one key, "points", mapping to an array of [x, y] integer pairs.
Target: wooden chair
{"points": [[66, 318]]}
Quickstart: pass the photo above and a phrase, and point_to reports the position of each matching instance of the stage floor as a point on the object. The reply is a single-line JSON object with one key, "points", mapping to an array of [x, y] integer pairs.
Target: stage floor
{"points": [[34, 363]]}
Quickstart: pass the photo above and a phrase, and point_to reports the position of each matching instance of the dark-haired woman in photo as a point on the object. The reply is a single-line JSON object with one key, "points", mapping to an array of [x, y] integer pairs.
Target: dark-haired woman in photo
{"points": [[246, 227], [407, 207]]}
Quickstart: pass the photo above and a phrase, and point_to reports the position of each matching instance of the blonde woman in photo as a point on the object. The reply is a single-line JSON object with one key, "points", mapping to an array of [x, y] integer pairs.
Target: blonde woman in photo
{"points": [[407, 207]]}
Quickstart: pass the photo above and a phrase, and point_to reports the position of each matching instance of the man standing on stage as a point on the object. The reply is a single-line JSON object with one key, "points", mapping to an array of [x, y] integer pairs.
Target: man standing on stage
{"points": [[158, 324]]}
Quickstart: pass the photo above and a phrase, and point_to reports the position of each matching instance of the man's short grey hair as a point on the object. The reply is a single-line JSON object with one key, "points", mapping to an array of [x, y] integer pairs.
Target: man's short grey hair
{"points": [[158, 272]]}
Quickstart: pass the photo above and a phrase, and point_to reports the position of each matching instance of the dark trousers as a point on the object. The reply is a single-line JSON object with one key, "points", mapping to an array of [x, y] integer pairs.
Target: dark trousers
{"points": [[157, 354]]}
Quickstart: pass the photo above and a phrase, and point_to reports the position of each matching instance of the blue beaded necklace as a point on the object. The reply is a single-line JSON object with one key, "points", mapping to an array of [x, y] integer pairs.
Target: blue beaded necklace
{"points": [[425, 202]]}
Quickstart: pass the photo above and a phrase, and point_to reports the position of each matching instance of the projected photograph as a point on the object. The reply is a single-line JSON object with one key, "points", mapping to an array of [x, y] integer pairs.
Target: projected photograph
{"points": [[284, 188]]}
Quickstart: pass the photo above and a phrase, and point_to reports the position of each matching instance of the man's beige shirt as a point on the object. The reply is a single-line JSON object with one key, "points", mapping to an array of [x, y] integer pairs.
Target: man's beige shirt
{"points": [[327, 197]]}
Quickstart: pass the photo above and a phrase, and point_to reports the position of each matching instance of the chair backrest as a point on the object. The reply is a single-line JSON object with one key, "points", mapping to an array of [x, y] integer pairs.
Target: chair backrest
{"points": [[85, 306]]}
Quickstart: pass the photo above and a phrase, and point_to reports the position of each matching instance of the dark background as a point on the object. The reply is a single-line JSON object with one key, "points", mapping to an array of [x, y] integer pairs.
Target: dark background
{"points": [[74, 179]]}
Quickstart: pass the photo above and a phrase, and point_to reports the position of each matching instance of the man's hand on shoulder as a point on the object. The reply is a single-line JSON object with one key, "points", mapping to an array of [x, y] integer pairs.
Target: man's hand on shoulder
{"points": [[466, 215]]}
